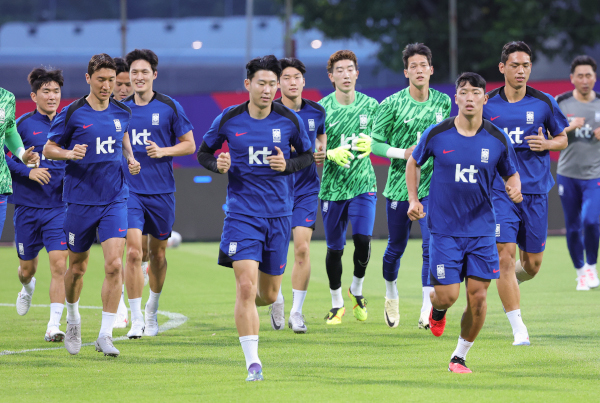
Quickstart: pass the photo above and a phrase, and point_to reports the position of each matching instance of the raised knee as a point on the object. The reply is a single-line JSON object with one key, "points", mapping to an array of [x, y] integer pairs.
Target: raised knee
{"points": [[246, 290], [533, 268]]}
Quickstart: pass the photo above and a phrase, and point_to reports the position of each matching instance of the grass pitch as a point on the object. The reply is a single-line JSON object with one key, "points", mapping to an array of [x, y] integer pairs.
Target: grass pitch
{"points": [[202, 360]]}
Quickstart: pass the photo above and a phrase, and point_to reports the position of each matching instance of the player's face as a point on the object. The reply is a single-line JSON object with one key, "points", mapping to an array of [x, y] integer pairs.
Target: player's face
{"points": [[470, 100], [291, 83], [47, 97], [344, 75], [419, 71], [517, 69], [262, 88], [584, 79], [102, 83], [142, 76], [123, 87]]}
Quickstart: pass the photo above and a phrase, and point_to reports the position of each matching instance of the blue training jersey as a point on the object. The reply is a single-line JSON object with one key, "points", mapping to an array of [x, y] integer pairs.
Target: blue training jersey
{"points": [[162, 121], [312, 114], [33, 128], [98, 178], [519, 120], [254, 188], [460, 195]]}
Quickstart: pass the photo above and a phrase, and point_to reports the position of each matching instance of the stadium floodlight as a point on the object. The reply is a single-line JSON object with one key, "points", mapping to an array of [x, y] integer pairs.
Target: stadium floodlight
{"points": [[316, 44], [196, 44]]}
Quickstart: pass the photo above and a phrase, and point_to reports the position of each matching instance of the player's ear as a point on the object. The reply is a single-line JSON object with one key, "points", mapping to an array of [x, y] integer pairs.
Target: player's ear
{"points": [[247, 84], [431, 70], [456, 99], [501, 67], [87, 78], [405, 73], [33, 96], [155, 74], [485, 99], [330, 77]]}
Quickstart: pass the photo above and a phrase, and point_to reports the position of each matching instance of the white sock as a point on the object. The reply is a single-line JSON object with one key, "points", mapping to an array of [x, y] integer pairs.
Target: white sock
{"points": [[462, 348], [426, 299], [279, 299], [520, 272], [391, 291], [56, 311], [108, 321], [29, 288], [514, 317], [152, 304], [581, 272], [250, 347], [356, 287], [136, 309], [297, 301], [337, 301], [73, 316]]}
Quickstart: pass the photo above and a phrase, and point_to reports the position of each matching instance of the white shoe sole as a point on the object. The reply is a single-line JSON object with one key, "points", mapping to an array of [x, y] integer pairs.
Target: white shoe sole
{"points": [[57, 337]]}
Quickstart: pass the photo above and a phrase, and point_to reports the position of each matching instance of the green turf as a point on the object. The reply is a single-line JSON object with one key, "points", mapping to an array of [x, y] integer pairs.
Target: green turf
{"points": [[202, 360]]}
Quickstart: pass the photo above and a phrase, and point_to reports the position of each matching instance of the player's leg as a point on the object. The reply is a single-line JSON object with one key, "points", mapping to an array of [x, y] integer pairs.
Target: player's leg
{"points": [[300, 276], [78, 262], [361, 212], [134, 278], [28, 240], [26, 271], [145, 258], [571, 199], [591, 229], [3, 204], [532, 235], [425, 279], [399, 230]]}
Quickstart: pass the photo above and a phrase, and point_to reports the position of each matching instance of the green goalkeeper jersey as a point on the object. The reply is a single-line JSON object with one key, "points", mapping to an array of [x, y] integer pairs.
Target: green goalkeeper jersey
{"points": [[344, 123], [400, 121], [7, 121]]}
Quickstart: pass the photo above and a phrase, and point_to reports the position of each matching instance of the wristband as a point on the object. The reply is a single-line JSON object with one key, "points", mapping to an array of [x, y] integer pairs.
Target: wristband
{"points": [[19, 153], [398, 153]]}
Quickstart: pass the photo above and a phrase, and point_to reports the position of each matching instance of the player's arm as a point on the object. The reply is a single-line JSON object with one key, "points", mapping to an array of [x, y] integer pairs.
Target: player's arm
{"points": [[54, 151], [211, 142], [39, 175], [574, 124], [413, 177], [321, 146], [186, 146], [382, 125], [538, 142], [15, 144], [133, 165], [513, 187]]}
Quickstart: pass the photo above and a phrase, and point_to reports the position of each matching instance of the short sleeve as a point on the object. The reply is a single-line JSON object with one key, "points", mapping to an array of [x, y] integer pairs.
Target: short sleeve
{"points": [[556, 122], [180, 124], [507, 163], [300, 139], [384, 118], [61, 132], [374, 109], [423, 150], [213, 138], [447, 106], [321, 127]]}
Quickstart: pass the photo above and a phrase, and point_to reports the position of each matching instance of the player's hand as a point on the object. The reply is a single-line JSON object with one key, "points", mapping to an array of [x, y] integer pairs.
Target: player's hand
{"points": [[78, 152], [514, 194], [40, 175], [133, 165], [320, 156], [597, 133], [154, 151], [341, 156], [277, 161], [362, 144], [537, 142], [415, 211], [409, 152], [223, 162], [577, 123], [30, 158]]}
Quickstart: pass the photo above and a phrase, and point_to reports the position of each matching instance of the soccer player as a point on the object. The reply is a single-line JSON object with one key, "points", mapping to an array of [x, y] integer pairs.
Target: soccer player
{"points": [[306, 191], [91, 135], [348, 189], [578, 173], [260, 194], [400, 120], [157, 122], [529, 117], [123, 88], [39, 209], [467, 153]]}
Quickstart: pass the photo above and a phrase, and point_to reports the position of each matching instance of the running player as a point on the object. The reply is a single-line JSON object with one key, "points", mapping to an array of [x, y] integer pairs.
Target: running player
{"points": [[578, 173], [529, 117], [123, 88], [467, 153], [348, 188], [306, 192], [399, 122], [157, 122], [39, 209], [95, 190], [260, 197]]}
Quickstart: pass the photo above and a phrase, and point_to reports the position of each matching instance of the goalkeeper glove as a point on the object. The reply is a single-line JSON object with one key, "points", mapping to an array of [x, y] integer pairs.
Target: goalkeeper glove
{"points": [[341, 156], [362, 145]]}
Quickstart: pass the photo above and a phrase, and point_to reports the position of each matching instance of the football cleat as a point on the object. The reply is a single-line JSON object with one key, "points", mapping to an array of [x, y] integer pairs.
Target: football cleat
{"points": [[592, 277], [104, 345], [151, 326], [334, 317], [137, 330], [391, 312], [23, 303], [424, 320], [521, 339], [582, 283], [121, 319], [73, 338], [359, 306], [145, 267], [296, 322], [53, 333], [436, 326], [255, 373], [458, 366], [276, 310]]}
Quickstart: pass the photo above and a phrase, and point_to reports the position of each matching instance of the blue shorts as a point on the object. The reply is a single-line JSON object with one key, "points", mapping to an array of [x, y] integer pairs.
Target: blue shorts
{"points": [[525, 223], [152, 214], [3, 203], [359, 210], [36, 228], [264, 240], [454, 258], [305, 210], [81, 222]]}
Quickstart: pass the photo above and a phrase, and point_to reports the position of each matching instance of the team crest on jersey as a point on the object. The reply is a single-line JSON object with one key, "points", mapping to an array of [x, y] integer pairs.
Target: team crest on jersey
{"points": [[439, 116], [485, 155], [2, 116], [325, 206], [561, 190], [21, 249], [597, 116], [311, 125], [394, 205], [441, 272], [497, 230], [117, 124], [155, 117], [529, 118], [276, 136], [363, 120], [232, 248]]}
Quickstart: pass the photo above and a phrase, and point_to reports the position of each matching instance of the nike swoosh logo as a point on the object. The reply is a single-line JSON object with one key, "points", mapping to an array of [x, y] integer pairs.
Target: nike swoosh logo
{"points": [[494, 118], [496, 271], [333, 124], [85, 127], [164, 234], [544, 243], [371, 194], [63, 243], [282, 266], [122, 230], [406, 121], [389, 322], [36, 133], [307, 220], [240, 134], [3, 202], [449, 151]]}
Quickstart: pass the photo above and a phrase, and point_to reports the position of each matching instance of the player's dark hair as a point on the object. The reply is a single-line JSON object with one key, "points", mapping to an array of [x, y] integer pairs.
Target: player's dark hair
{"points": [[42, 75], [471, 78], [142, 54], [583, 60], [101, 61], [415, 49], [122, 66], [512, 47], [269, 63], [293, 62], [339, 56]]}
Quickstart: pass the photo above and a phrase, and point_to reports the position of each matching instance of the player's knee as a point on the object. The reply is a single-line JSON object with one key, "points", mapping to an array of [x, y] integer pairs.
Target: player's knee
{"points": [[302, 250], [477, 301], [158, 254], [362, 247], [590, 223], [446, 300], [534, 264], [27, 270], [269, 296], [246, 290], [134, 255], [113, 267]]}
